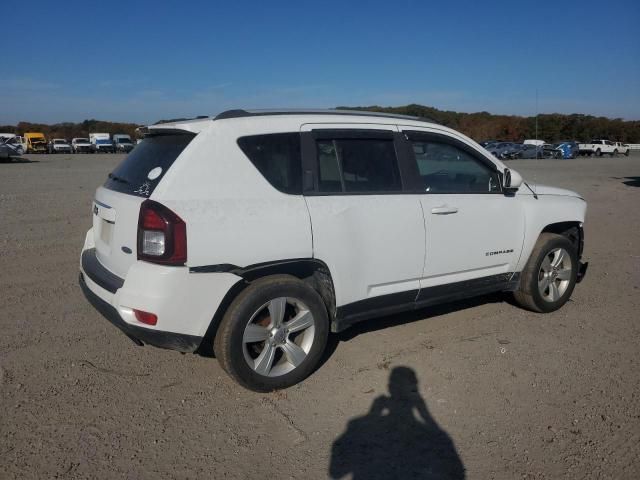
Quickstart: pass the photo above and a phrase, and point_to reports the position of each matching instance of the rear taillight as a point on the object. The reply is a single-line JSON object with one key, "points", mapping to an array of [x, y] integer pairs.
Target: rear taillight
{"points": [[162, 235]]}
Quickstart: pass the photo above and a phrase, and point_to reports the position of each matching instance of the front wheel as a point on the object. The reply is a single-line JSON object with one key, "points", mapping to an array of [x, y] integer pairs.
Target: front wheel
{"points": [[550, 275], [273, 335]]}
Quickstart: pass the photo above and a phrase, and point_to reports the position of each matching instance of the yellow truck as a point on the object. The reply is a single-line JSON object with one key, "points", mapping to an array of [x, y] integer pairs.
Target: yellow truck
{"points": [[35, 142]]}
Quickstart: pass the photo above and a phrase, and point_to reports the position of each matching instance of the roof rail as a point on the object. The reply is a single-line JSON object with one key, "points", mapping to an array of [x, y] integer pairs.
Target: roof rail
{"points": [[239, 113]]}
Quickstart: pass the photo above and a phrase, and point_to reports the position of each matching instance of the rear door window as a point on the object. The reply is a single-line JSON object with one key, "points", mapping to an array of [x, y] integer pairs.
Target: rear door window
{"points": [[141, 171], [357, 165]]}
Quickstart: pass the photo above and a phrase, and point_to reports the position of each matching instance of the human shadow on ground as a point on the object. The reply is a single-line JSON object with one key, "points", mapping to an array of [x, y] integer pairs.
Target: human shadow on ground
{"points": [[396, 439]]}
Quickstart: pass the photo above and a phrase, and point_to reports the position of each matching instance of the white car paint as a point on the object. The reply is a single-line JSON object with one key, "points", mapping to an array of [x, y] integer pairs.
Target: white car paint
{"points": [[373, 245], [597, 147]]}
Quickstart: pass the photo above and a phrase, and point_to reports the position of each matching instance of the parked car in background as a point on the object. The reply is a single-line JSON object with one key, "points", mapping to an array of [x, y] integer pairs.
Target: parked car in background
{"points": [[35, 142], [534, 142], [179, 229], [598, 148], [550, 151], [101, 143], [512, 152], [122, 143], [496, 149], [81, 145], [486, 143], [16, 142], [6, 152], [530, 150], [622, 148], [10, 149], [59, 145], [568, 148]]}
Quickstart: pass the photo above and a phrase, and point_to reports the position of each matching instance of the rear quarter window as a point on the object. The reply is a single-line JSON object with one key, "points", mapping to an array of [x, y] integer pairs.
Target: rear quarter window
{"points": [[277, 157], [141, 170]]}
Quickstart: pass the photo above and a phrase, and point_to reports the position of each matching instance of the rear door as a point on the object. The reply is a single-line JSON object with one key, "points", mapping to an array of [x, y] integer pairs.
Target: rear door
{"points": [[473, 230], [117, 203], [366, 228]]}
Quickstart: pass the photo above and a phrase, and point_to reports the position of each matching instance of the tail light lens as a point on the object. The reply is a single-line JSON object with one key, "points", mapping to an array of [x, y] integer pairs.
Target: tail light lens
{"points": [[162, 235], [146, 317]]}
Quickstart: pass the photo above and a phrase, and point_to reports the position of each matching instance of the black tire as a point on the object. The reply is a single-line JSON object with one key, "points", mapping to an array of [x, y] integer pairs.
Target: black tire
{"points": [[528, 294], [228, 343], [615, 153], [626, 154], [598, 153]]}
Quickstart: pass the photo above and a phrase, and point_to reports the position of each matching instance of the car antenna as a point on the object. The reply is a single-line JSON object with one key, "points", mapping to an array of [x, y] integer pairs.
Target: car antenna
{"points": [[535, 195]]}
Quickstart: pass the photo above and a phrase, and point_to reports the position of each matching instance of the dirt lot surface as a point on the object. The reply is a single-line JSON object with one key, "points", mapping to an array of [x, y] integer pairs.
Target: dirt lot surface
{"points": [[499, 392]]}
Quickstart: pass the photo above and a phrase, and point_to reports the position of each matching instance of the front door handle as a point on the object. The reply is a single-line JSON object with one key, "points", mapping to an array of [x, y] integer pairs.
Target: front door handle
{"points": [[444, 210]]}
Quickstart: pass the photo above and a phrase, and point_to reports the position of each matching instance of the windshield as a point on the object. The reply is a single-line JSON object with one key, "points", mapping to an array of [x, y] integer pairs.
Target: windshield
{"points": [[144, 167], [123, 140], [58, 142], [82, 140]]}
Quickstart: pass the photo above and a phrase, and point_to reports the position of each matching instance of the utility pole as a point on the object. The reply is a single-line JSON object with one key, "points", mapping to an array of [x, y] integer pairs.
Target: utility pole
{"points": [[536, 114]]}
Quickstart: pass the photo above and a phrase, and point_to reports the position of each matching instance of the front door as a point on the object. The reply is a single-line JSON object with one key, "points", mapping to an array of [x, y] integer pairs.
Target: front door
{"points": [[473, 230]]}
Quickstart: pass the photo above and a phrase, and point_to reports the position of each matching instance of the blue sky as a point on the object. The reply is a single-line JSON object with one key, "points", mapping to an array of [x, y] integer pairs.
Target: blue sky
{"points": [[142, 61]]}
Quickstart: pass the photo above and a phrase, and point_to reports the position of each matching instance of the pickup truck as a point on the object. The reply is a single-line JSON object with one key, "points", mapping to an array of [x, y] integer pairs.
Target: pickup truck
{"points": [[81, 145], [622, 148], [598, 148], [59, 145], [122, 143]]}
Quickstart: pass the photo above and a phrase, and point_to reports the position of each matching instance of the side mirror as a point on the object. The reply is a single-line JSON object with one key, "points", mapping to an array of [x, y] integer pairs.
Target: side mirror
{"points": [[512, 180]]}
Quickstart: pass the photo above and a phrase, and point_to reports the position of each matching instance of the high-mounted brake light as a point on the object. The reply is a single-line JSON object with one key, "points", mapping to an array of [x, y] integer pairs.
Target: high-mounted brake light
{"points": [[162, 235]]}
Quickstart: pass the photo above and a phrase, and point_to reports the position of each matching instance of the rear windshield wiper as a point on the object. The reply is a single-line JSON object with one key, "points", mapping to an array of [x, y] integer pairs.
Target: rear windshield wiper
{"points": [[118, 179]]}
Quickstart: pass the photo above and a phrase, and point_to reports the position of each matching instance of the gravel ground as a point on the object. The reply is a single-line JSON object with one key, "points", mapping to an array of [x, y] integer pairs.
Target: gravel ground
{"points": [[499, 392]]}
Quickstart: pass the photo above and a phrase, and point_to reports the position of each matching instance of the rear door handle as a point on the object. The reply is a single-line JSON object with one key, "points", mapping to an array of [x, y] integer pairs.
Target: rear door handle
{"points": [[444, 210]]}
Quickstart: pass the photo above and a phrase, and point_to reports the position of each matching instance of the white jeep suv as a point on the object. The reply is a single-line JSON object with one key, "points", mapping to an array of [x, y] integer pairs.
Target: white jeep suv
{"points": [[256, 233]]}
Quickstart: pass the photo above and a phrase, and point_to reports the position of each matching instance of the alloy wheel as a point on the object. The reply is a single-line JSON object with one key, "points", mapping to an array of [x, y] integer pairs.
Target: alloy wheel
{"points": [[278, 336], [554, 275]]}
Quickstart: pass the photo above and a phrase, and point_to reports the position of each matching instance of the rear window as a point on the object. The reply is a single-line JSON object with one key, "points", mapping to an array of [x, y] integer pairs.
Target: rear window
{"points": [[141, 171], [277, 157]]}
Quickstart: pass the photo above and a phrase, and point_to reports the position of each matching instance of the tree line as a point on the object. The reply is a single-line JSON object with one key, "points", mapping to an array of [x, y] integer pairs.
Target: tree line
{"points": [[551, 127], [479, 126]]}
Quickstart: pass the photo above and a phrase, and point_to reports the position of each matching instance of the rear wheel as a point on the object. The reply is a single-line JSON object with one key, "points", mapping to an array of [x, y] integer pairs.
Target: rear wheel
{"points": [[549, 276], [598, 153], [273, 335]]}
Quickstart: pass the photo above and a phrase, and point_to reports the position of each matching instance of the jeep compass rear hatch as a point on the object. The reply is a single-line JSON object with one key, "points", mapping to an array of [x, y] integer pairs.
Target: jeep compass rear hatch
{"points": [[117, 204]]}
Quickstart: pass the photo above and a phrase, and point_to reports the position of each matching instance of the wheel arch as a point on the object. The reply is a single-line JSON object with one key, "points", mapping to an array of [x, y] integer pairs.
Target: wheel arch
{"points": [[572, 230], [311, 271]]}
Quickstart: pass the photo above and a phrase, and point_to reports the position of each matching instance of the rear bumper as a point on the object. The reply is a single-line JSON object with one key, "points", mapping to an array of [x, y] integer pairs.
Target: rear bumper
{"points": [[140, 335], [185, 303], [111, 283]]}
